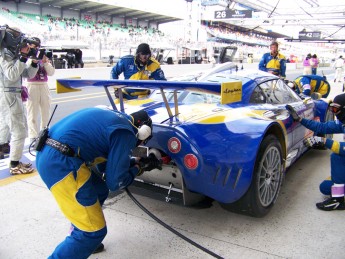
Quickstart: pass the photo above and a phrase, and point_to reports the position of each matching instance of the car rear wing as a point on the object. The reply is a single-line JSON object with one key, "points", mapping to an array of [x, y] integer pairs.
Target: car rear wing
{"points": [[230, 92]]}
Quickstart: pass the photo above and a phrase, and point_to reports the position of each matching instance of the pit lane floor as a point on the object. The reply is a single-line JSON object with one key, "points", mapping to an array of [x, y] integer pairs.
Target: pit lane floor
{"points": [[31, 224]]}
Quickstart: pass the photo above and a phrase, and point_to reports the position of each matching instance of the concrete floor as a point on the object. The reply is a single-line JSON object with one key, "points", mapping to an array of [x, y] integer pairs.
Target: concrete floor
{"points": [[31, 225]]}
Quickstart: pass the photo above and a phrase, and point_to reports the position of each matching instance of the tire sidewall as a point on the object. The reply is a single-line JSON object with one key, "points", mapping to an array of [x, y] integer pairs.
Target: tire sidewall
{"points": [[258, 209]]}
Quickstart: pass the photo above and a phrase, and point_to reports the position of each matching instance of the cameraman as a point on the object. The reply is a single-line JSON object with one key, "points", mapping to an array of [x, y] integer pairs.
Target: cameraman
{"points": [[78, 58], [40, 97], [14, 54]]}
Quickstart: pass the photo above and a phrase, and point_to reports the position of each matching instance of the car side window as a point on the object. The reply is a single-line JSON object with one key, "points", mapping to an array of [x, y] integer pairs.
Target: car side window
{"points": [[258, 96], [277, 92]]}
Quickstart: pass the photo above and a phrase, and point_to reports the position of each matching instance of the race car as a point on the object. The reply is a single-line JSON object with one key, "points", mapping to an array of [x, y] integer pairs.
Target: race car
{"points": [[227, 136]]}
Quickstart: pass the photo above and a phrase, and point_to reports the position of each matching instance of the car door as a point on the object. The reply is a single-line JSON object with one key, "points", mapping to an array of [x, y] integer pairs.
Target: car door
{"points": [[278, 94]]}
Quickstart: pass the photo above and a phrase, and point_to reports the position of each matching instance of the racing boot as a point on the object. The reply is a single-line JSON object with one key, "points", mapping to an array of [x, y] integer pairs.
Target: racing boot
{"points": [[333, 203], [336, 202]]}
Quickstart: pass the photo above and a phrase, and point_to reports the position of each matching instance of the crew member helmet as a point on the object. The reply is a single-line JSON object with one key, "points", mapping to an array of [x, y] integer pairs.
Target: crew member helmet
{"points": [[143, 122]]}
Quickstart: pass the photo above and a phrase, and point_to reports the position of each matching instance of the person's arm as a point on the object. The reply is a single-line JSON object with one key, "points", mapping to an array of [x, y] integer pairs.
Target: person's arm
{"points": [[30, 71], [305, 82], [158, 74], [116, 70], [283, 67], [119, 172], [48, 66], [12, 71], [329, 127], [262, 64]]}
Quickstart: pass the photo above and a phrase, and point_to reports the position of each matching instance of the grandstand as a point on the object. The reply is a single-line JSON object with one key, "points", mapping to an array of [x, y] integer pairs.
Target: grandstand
{"points": [[101, 26], [114, 29]]}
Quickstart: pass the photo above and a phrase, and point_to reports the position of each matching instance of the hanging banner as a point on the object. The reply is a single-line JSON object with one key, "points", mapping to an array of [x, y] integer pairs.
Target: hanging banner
{"points": [[228, 14], [311, 35]]}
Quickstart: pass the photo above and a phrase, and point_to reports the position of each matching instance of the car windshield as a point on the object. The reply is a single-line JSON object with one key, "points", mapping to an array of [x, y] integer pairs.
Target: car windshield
{"points": [[229, 75]]}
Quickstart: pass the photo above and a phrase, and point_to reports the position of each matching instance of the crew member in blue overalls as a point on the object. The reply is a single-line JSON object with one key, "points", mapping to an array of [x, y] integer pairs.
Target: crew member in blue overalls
{"points": [[139, 67], [335, 185], [307, 84], [70, 165], [273, 62]]}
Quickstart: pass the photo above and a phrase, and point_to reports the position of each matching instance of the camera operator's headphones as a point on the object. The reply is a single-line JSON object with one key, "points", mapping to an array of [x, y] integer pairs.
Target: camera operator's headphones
{"points": [[143, 123]]}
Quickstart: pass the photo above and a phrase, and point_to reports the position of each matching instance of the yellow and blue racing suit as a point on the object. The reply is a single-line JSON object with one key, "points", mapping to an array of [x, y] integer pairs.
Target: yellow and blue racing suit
{"points": [[338, 148], [276, 65], [97, 136], [315, 83], [132, 70]]}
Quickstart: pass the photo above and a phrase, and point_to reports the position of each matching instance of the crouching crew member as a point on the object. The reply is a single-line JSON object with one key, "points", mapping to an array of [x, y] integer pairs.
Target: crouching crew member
{"points": [[308, 84], [335, 186], [67, 164]]}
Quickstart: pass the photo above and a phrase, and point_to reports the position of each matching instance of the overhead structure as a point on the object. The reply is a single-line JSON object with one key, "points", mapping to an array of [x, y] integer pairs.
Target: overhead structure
{"points": [[324, 16], [107, 8]]}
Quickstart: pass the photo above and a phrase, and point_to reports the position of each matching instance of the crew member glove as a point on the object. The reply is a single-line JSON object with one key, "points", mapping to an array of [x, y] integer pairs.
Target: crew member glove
{"points": [[303, 96], [312, 141], [316, 96], [293, 113], [149, 163]]}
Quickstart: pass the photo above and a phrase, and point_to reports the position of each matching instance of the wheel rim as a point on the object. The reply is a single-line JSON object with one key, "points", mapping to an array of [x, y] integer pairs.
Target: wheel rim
{"points": [[270, 174]]}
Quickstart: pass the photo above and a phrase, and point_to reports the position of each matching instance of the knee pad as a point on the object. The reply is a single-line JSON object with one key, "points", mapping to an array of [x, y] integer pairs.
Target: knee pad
{"points": [[338, 190]]}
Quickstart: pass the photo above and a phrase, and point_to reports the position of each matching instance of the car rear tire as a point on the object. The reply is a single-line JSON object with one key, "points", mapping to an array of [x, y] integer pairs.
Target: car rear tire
{"points": [[266, 181]]}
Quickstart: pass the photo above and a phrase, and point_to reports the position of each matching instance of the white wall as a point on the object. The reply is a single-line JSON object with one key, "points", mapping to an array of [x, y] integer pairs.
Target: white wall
{"points": [[70, 14], [29, 8], [55, 12], [12, 6]]}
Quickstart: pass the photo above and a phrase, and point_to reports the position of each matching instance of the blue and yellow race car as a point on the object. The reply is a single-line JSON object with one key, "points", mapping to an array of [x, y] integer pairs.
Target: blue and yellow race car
{"points": [[227, 136]]}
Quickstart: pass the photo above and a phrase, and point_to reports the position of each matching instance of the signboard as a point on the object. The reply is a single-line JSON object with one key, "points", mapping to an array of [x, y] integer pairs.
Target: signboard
{"points": [[312, 35], [227, 14], [231, 92]]}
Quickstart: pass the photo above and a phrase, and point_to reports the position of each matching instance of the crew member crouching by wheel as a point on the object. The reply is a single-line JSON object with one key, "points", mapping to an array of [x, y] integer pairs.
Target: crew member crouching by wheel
{"points": [[79, 149]]}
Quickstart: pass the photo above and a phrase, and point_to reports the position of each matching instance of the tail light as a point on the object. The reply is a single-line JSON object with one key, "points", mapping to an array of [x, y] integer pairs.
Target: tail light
{"points": [[190, 161], [174, 145]]}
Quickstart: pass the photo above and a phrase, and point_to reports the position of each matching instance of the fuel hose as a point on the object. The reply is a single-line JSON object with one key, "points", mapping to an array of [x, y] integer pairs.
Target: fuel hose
{"points": [[170, 228]]}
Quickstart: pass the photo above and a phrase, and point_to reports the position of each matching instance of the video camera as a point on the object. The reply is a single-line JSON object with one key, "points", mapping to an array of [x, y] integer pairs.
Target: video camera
{"points": [[44, 52], [29, 41], [14, 40]]}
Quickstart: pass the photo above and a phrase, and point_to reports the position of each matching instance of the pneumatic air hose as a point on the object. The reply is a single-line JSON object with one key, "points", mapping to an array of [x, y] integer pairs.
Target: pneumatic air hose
{"points": [[170, 228]]}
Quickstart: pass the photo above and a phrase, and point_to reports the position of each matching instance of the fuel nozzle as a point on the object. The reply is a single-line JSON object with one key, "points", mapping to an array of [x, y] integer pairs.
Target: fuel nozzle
{"points": [[152, 161]]}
